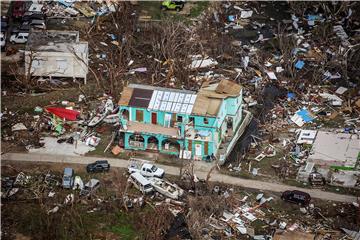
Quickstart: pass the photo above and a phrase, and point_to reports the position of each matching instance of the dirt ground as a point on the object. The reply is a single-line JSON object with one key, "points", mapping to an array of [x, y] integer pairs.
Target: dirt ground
{"points": [[104, 216]]}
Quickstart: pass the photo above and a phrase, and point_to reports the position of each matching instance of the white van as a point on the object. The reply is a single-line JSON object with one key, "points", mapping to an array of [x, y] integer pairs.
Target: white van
{"points": [[141, 183]]}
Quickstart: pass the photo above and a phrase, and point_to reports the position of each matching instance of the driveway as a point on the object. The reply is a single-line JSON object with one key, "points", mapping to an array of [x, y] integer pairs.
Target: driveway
{"points": [[201, 172]]}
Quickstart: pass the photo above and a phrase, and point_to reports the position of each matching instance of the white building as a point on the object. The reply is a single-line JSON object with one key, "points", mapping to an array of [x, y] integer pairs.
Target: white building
{"points": [[335, 150], [56, 54]]}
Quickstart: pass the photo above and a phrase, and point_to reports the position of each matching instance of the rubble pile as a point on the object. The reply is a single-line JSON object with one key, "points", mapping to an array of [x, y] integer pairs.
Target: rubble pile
{"points": [[203, 212], [298, 65], [61, 9], [295, 74], [68, 122]]}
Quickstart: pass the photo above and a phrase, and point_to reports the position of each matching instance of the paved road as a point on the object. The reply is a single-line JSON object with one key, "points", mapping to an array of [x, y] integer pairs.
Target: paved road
{"points": [[201, 171]]}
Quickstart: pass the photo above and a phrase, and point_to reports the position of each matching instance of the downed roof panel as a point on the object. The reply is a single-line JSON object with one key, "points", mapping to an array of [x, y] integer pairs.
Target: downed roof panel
{"points": [[126, 96], [201, 105], [228, 87]]}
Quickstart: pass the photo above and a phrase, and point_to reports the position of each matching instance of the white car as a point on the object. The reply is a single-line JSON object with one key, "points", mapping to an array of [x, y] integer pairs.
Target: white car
{"points": [[36, 23], [19, 38], [2, 39], [145, 169]]}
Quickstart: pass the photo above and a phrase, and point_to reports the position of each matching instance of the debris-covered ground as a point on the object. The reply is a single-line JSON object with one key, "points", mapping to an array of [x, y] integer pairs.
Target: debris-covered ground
{"points": [[36, 206], [297, 67], [298, 64]]}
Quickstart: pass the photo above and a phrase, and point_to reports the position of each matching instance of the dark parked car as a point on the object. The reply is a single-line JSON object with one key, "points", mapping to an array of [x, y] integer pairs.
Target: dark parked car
{"points": [[297, 197], [98, 166], [4, 23], [28, 16], [24, 28]]}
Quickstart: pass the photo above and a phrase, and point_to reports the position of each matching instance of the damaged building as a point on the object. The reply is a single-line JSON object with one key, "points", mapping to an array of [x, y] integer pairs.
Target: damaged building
{"points": [[336, 150], [199, 125], [334, 157], [57, 54]]}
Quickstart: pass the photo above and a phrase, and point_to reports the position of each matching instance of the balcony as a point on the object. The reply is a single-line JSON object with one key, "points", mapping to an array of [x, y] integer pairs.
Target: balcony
{"points": [[138, 127]]}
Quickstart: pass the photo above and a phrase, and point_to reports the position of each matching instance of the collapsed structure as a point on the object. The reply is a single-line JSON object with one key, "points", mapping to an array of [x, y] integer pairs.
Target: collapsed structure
{"points": [[184, 123], [56, 54], [337, 150]]}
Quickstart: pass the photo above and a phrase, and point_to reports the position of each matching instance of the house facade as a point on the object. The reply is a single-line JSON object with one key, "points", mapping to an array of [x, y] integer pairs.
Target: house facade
{"points": [[179, 122], [54, 53]]}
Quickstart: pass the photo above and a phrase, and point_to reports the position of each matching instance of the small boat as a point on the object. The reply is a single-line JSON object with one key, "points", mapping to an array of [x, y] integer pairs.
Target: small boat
{"points": [[166, 188], [112, 118], [108, 108], [97, 119]]}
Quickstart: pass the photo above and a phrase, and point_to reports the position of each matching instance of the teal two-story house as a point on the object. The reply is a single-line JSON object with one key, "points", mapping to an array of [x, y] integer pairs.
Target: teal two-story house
{"points": [[180, 122]]}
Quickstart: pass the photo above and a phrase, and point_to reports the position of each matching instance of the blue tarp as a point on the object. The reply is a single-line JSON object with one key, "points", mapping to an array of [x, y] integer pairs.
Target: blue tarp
{"points": [[231, 18], [290, 95], [299, 64], [305, 115], [65, 3], [313, 17]]}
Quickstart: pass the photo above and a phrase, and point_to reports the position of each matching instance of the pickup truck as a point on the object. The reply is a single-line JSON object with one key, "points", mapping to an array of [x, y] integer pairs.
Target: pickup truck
{"points": [[144, 168]]}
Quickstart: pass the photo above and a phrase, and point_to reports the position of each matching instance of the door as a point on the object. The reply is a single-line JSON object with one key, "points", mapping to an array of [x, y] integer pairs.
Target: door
{"points": [[173, 120], [154, 118], [206, 148], [139, 115], [22, 39], [198, 149], [190, 145], [167, 120]]}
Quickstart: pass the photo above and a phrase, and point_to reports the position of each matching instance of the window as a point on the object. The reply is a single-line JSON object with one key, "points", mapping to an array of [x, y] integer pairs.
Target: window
{"points": [[61, 64], [179, 118], [206, 121], [138, 138], [139, 115], [192, 119]]}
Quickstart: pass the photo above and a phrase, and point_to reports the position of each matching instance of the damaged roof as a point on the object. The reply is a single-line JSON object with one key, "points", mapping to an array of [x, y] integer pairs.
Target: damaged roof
{"points": [[55, 41], [210, 97], [228, 88], [206, 102], [140, 97], [336, 149]]}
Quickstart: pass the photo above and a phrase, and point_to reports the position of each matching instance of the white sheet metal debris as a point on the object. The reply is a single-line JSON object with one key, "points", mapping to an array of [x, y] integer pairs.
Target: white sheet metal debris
{"points": [[333, 99], [78, 183], [203, 63], [306, 136], [18, 127]]}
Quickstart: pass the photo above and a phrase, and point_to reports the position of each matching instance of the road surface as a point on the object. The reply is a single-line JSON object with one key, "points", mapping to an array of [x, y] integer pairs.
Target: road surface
{"points": [[201, 171]]}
